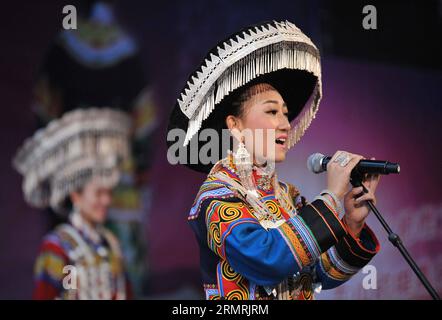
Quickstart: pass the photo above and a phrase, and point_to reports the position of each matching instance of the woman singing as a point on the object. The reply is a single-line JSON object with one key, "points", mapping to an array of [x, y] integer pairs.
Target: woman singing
{"points": [[258, 237]]}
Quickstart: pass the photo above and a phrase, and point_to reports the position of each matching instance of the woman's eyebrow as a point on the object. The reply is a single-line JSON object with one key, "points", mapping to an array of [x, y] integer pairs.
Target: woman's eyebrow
{"points": [[274, 102]]}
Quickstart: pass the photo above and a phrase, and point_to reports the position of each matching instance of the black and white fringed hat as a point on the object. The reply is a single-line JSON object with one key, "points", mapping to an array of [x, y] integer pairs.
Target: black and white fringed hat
{"points": [[277, 53], [83, 144]]}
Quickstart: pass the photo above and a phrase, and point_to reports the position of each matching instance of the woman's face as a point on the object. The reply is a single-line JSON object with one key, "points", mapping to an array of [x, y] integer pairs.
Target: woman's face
{"points": [[265, 118], [93, 202]]}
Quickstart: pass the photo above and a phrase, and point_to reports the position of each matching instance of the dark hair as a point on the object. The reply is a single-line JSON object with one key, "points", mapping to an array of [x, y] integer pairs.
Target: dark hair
{"points": [[67, 206], [233, 104]]}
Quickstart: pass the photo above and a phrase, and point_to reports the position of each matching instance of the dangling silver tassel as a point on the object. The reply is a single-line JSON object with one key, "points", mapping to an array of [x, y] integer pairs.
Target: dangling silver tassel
{"points": [[244, 166], [265, 60], [303, 120]]}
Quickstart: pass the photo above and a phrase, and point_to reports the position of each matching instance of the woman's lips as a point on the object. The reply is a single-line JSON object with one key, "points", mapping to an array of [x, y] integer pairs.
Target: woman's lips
{"points": [[281, 141], [282, 146]]}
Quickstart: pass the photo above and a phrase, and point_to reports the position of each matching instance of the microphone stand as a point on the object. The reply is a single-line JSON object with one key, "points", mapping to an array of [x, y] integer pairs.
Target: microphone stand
{"points": [[356, 181]]}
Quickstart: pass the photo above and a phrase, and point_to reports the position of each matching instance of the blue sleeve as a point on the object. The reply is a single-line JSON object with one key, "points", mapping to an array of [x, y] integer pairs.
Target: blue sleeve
{"points": [[339, 263], [263, 256]]}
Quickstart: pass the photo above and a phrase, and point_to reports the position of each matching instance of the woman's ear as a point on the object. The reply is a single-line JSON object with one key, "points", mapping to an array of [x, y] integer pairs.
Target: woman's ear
{"points": [[234, 126], [231, 122], [75, 198]]}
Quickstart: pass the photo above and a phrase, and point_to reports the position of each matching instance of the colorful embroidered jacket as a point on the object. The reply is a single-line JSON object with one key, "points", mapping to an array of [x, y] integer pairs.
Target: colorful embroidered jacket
{"points": [[76, 262], [242, 260]]}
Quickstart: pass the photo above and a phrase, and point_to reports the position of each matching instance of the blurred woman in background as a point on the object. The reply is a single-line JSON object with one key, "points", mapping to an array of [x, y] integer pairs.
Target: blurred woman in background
{"points": [[72, 165]]}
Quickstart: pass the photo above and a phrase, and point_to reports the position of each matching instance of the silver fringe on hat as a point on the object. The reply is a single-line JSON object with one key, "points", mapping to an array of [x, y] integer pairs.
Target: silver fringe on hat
{"points": [[259, 51], [83, 144]]}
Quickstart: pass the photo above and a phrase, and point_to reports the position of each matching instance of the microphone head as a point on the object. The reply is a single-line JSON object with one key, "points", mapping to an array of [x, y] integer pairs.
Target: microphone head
{"points": [[314, 162]]}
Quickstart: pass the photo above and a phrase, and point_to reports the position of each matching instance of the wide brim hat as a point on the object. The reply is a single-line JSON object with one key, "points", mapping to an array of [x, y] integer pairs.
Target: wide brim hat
{"points": [[82, 145], [277, 53]]}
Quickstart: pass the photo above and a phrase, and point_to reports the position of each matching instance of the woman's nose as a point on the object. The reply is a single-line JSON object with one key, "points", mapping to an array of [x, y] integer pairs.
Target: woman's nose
{"points": [[284, 123]]}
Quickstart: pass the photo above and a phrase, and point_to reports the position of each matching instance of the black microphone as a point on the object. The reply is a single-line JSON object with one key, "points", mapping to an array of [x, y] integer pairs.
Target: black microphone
{"points": [[317, 163]]}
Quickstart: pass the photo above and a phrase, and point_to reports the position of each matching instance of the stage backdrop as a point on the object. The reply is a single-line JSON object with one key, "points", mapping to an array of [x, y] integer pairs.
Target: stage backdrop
{"points": [[378, 110]]}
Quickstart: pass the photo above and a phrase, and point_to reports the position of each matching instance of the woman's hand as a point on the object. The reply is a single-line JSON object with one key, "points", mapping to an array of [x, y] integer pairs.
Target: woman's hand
{"points": [[356, 208], [338, 172]]}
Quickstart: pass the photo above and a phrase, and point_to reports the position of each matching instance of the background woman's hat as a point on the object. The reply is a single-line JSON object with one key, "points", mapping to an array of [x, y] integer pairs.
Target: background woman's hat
{"points": [[277, 53], [83, 144]]}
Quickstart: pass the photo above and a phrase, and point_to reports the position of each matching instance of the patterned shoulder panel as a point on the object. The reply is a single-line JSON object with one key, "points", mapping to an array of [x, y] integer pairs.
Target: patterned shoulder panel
{"points": [[71, 241], [293, 194], [53, 256], [66, 241], [212, 188]]}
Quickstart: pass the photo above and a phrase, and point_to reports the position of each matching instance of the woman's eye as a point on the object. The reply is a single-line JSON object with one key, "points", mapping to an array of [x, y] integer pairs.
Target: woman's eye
{"points": [[274, 112]]}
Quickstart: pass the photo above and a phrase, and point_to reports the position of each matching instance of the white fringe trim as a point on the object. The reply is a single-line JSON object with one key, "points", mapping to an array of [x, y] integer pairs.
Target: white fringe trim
{"points": [[61, 150], [266, 60]]}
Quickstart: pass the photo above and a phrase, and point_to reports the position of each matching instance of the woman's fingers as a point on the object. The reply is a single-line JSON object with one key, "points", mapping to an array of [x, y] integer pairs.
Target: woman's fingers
{"points": [[366, 197], [355, 158], [372, 182], [355, 191], [333, 158], [339, 170], [375, 180]]}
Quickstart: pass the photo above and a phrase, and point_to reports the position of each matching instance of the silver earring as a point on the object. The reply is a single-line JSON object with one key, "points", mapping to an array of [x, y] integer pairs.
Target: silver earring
{"points": [[243, 159], [244, 166]]}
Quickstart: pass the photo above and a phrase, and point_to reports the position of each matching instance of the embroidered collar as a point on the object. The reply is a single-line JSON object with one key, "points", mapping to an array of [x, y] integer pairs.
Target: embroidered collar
{"points": [[94, 234], [263, 181]]}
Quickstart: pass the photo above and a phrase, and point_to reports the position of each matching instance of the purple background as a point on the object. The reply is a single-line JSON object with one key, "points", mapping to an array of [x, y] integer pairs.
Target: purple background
{"points": [[376, 109]]}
